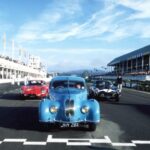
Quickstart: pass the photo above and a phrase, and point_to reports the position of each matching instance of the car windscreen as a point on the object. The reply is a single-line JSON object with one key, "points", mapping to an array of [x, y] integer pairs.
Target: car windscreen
{"points": [[103, 84], [34, 82], [68, 84]]}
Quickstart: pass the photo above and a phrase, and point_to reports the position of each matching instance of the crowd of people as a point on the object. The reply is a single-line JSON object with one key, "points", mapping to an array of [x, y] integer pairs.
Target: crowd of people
{"points": [[129, 73], [13, 60]]}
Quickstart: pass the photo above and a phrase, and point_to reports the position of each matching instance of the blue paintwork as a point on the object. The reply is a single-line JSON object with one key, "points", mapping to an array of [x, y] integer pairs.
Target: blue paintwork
{"points": [[58, 99]]}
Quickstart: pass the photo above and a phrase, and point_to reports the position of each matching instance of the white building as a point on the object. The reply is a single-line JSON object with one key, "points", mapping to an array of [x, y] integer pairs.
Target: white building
{"points": [[35, 62], [10, 69]]}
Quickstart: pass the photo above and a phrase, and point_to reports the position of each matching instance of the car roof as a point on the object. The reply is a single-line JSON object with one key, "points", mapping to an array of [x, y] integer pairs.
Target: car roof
{"points": [[74, 78]]}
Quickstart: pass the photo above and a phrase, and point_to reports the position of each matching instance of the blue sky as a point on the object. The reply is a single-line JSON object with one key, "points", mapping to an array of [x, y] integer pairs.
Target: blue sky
{"points": [[75, 34]]}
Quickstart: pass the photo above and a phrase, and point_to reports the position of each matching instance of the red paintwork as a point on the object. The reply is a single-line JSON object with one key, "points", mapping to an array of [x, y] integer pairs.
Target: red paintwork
{"points": [[35, 90]]}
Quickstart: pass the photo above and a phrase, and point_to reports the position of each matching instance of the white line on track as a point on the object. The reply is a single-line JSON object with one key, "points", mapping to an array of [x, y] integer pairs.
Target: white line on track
{"points": [[140, 142], [65, 140], [105, 141], [34, 143], [123, 144], [14, 140], [78, 143], [56, 140]]}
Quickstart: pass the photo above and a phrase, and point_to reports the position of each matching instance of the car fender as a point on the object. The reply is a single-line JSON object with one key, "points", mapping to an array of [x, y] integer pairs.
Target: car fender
{"points": [[44, 110], [94, 111]]}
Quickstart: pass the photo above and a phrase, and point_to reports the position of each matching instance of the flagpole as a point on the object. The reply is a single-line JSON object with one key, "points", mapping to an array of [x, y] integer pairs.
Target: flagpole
{"points": [[4, 44], [12, 52]]}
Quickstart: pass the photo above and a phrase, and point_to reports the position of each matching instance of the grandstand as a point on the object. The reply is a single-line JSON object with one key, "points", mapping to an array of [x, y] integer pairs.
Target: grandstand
{"points": [[134, 65]]}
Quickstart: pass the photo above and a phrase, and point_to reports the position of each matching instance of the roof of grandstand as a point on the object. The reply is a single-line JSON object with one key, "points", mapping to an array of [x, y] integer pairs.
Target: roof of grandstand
{"points": [[134, 54]]}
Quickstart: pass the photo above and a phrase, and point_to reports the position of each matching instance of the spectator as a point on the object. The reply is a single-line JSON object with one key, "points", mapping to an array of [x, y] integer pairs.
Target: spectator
{"points": [[119, 82]]}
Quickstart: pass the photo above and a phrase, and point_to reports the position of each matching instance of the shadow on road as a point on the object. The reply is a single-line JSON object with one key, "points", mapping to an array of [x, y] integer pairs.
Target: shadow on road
{"points": [[26, 118], [20, 118], [15, 96], [10, 96]]}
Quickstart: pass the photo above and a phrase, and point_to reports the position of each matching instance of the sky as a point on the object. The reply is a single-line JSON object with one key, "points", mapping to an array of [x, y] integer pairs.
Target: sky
{"points": [[74, 34]]}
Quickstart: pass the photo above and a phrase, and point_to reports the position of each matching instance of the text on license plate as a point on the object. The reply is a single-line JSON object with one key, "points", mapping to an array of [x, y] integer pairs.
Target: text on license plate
{"points": [[65, 125]]}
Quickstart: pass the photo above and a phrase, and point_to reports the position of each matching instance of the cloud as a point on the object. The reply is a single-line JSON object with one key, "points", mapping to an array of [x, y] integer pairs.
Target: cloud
{"points": [[33, 30], [44, 25], [110, 23], [95, 25], [60, 36], [142, 8]]}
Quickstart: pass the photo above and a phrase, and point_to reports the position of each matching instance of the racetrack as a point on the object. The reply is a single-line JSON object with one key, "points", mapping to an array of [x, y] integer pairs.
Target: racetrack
{"points": [[124, 125]]}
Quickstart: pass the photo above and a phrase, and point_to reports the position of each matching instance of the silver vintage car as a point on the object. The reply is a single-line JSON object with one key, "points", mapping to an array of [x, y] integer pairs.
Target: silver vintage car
{"points": [[104, 90]]}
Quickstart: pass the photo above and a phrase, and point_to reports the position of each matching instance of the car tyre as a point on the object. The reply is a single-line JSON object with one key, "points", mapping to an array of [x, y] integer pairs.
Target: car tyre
{"points": [[100, 97], [22, 97], [46, 126], [92, 126], [117, 98], [91, 94]]}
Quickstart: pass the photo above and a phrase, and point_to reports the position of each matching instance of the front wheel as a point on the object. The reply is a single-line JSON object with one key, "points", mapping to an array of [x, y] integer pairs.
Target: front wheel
{"points": [[117, 98], [22, 97], [91, 94], [92, 126]]}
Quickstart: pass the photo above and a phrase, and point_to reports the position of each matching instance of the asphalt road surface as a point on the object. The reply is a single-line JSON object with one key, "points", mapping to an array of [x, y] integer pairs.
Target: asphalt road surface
{"points": [[124, 125]]}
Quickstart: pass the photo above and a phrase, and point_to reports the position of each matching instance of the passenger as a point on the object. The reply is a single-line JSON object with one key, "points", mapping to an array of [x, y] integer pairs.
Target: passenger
{"points": [[78, 86]]}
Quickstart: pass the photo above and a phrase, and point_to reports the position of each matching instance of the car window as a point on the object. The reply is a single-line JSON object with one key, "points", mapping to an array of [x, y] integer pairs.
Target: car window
{"points": [[100, 84], [108, 84], [34, 82], [76, 84], [59, 84], [68, 84], [103, 84]]}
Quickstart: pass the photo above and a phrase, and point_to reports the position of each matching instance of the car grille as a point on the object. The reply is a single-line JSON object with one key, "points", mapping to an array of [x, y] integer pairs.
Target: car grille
{"points": [[69, 108], [108, 94]]}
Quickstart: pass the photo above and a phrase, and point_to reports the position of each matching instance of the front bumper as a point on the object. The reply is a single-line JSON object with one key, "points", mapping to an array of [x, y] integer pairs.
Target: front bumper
{"points": [[111, 95], [68, 122], [35, 94]]}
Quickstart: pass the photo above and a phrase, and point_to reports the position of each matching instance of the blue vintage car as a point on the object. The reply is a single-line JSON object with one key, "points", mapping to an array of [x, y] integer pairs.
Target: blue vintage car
{"points": [[68, 105]]}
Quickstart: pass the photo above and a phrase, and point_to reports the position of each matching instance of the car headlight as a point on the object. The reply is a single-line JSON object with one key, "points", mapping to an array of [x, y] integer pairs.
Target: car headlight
{"points": [[85, 109], [53, 109], [114, 94], [43, 91]]}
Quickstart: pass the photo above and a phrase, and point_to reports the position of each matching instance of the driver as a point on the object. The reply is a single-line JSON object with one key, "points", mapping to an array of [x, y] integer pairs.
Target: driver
{"points": [[78, 86]]}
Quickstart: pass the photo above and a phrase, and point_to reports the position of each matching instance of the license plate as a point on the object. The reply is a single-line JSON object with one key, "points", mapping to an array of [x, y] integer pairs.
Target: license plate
{"points": [[65, 125]]}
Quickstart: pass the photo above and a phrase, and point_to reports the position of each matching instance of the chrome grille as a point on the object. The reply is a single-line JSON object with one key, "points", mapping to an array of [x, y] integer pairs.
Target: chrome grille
{"points": [[69, 108]]}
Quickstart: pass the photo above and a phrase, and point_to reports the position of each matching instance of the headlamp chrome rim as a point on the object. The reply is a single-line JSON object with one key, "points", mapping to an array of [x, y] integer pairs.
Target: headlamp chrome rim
{"points": [[85, 109], [43, 91], [53, 109]]}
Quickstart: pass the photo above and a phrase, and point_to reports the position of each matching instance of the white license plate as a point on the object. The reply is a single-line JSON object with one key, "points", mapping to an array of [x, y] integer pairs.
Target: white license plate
{"points": [[65, 125]]}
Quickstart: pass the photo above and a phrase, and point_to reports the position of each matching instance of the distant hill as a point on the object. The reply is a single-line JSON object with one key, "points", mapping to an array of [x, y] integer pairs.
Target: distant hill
{"points": [[84, 71]]}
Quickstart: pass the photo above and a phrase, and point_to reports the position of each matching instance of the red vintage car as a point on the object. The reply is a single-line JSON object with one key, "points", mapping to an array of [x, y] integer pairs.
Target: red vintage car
{"points": [[35, 88]]}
